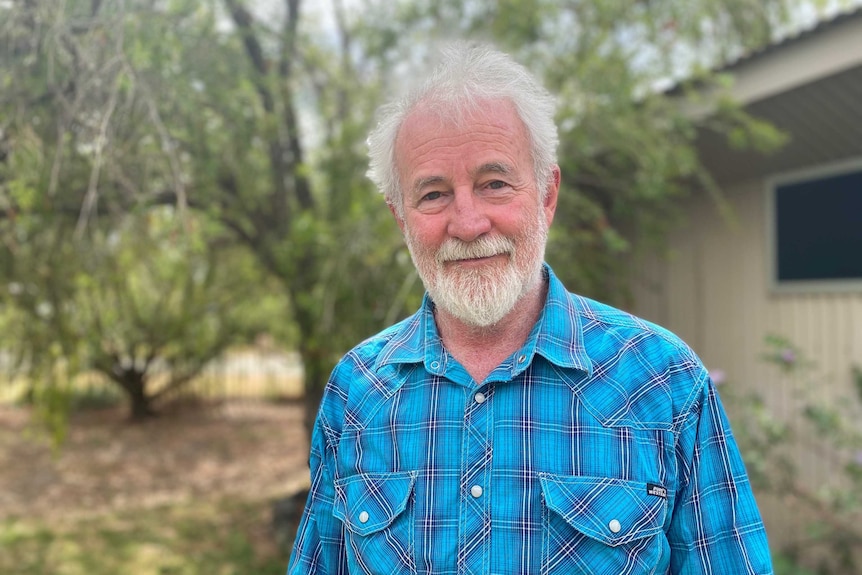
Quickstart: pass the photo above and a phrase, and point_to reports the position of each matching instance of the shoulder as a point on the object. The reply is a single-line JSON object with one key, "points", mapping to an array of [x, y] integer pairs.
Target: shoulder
{"points": [[604, 323], [396, 341], [369, 373], [644, 370], [601, 330]]}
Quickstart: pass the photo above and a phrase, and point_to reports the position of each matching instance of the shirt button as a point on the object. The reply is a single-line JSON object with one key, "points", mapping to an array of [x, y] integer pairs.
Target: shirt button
{"points": [[614, 526], [476, 491], [480, 397], [435, 364], [522, 359], [363, 517]]}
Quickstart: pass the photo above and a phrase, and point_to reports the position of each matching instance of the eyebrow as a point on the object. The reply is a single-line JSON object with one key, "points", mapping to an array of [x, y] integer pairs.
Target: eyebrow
{"points": [[488, 168], [494, 168], [421, 183]]}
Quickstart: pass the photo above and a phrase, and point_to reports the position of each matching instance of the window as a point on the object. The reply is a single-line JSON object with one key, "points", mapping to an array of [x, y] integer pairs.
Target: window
{"points": [[816, 230]]}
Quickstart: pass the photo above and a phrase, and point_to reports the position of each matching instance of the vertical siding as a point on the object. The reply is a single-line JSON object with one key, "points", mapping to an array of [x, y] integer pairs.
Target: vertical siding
{"points": [[713, 291]]}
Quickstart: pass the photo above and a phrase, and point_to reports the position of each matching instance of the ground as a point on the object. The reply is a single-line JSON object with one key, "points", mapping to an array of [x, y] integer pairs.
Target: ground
{"points": [[239, 451]]}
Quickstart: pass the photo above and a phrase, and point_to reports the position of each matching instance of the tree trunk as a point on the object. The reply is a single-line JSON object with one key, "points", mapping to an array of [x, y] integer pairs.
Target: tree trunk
{"points": [[317, 368], [140, 404]]}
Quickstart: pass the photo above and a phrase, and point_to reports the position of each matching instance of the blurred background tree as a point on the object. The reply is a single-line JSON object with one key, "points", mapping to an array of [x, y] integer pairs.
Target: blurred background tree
{"points": [[144, 304], [114, 109], [252, 116]]}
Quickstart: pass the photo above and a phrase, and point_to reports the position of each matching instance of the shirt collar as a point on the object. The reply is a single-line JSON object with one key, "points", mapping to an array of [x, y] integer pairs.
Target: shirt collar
{"points": [[417, 341], [557, 336]]}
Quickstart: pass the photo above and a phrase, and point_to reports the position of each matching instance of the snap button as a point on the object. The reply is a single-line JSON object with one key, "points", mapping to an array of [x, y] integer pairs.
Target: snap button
{"points": [[480, 397], [363, 517], [435, 364], [476, 491], [614, 526], [522, 359]]}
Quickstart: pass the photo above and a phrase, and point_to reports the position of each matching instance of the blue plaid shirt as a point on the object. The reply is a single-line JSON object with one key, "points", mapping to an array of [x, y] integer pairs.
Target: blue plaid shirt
{"points": [[599, 447]]}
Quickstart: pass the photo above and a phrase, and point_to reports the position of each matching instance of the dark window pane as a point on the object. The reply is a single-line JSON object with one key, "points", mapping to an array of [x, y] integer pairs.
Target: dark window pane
{"points": [[819, 228]]}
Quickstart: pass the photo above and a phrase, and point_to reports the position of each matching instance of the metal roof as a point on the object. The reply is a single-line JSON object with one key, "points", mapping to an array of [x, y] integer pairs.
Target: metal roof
{"points": [[822, 112], [803, 33]]}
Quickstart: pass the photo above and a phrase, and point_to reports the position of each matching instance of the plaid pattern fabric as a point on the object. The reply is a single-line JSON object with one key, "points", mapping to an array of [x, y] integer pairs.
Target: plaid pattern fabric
{"points": [[600, 447]]}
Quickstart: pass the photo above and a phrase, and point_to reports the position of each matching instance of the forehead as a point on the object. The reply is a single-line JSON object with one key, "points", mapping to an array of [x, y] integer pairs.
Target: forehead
{"points": [[431, 144]]}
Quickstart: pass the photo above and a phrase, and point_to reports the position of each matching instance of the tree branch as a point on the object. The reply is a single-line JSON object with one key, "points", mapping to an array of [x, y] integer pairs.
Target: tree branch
{"points": [[302, 187], [243, 20]]}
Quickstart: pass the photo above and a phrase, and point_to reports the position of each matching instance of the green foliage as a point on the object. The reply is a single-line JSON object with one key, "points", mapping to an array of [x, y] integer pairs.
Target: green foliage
{"points": [[96, 275], [787, 565], [827, 430], [94, 397], [154, 294]]}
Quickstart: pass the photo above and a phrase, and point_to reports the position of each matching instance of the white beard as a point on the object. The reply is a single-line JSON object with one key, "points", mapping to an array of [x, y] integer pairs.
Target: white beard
{"points": [[481, 297]]}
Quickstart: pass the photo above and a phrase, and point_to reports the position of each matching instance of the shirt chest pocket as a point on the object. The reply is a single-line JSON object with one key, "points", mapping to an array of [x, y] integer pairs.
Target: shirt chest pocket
{"points": [[376, 509], [601, 526]]}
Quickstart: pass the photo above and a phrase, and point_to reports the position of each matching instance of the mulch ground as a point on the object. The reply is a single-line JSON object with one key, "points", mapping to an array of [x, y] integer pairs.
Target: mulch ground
{"points": [[242, 449]]}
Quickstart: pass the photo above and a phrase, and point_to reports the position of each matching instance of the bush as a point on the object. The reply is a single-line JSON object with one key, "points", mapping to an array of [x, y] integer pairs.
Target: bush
{"points": [[831, 541]]}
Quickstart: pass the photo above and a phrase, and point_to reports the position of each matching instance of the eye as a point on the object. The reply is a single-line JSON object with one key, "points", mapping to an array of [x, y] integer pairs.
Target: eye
{"points": [[431, 196], [497, 185]]}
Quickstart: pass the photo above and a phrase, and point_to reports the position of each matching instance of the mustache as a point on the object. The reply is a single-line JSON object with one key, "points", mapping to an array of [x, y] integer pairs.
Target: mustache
{"points": [[486, 246]]}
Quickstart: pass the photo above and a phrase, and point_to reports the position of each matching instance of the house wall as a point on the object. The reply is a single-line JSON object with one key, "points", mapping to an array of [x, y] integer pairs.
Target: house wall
{"points": [[714, 291]]}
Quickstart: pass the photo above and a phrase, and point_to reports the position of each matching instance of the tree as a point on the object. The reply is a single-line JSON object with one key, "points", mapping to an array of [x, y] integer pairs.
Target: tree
{"points": [[97, 279], [145, 304], [315, 223], [195, 105]]}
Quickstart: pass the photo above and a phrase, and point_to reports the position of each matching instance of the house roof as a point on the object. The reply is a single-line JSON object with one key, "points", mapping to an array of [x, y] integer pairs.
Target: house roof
{"points": [[810, 86], [799, 35]]}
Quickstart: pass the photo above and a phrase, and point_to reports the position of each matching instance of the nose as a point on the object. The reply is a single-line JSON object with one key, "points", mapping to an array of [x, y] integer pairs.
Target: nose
{"points": [[468, 220]]}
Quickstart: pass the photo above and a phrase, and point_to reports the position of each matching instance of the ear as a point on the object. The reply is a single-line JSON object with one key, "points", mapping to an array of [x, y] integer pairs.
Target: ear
{"points": [[398, 219], [552, 191]]}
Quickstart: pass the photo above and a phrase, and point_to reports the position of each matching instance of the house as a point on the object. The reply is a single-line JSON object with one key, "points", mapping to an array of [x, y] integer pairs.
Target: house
{"points": [[789, 261]]}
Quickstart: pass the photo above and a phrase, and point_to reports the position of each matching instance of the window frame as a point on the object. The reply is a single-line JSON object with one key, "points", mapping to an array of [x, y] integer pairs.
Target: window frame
{"points": [[803, 286]]}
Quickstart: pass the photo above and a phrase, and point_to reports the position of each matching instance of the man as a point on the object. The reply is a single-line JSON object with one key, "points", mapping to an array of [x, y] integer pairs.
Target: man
{"points": [[509, 427]]}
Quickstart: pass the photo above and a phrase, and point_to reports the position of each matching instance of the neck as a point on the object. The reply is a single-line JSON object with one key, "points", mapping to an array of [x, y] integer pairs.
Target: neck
{"points": [[481, 349]]}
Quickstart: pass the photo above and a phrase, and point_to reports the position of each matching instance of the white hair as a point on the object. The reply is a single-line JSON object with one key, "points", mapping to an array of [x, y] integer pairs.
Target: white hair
{"points": [[467, 75]]}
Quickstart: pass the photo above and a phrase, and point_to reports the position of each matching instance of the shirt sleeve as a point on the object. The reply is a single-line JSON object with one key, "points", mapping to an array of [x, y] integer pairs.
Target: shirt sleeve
{"points": [[716, 527], [319, 545]]}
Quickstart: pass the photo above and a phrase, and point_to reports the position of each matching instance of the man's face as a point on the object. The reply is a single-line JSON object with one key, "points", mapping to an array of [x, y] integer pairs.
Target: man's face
{"points": [[474, 220]]}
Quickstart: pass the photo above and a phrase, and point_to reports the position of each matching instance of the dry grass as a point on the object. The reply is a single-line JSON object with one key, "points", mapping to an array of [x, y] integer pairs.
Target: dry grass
{"points": [[189, 492], [240, 448]]}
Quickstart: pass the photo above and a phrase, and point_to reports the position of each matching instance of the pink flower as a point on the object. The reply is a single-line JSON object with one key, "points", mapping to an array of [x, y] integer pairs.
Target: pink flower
{"points": [[717, 376], [788, 356]]}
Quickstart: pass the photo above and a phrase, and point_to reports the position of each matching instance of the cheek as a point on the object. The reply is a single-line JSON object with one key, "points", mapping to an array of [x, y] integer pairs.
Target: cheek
{"points": [[420, 246], [425, 232], [517, 222]]}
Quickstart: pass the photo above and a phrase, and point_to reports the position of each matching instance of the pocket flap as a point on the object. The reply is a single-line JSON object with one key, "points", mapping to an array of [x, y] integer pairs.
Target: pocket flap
{"points": [[609, 510], [369, 502]]}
